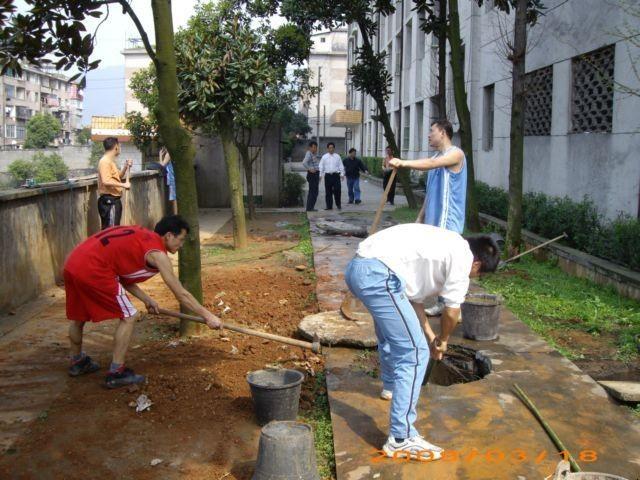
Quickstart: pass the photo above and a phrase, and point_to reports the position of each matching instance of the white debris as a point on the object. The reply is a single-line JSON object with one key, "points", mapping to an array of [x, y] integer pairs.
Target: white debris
{"points": [[208, 387], [234, 350], [174, 343], [220, 303], [226, 309], [219, 295], [143, 403], [156, 461], [225, 339]]}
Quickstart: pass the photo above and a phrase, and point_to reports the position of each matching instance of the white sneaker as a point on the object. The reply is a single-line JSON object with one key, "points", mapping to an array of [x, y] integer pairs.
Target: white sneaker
{"points": [[386, 394], [414, 448], [436, 310]]}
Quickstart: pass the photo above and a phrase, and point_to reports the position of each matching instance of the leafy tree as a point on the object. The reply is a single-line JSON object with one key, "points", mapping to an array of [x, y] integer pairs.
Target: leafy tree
{"points": [[97, 151], [41, 167], [368, 73], [84, 137], [55, 28], [42, 129]]}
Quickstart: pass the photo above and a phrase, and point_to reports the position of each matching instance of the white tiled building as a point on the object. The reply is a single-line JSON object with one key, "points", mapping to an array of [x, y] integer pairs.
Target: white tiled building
{"points": [[38, 91], [583, 134]]}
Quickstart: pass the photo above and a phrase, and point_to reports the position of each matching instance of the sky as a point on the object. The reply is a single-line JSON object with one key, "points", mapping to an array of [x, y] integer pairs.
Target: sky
{"points": [[104, 94]]}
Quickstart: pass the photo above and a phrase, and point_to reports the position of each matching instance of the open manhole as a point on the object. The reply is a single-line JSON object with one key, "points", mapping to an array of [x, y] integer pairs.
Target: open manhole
{"points": [[459, 365]]}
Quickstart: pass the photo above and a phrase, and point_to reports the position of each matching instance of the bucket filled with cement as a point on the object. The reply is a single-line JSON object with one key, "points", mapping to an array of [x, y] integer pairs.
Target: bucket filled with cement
{"points": [[275, 393], [481, 316]]}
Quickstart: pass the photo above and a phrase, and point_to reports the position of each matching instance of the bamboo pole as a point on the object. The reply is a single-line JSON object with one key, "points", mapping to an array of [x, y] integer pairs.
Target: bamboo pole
{"points": [[556, 440]]}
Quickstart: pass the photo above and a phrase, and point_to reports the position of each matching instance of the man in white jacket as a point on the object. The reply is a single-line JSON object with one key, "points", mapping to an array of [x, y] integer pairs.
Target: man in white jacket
{"points": [[393, 272]]}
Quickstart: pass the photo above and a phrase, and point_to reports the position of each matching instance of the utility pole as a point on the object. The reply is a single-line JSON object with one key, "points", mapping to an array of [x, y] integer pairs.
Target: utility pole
{"points": [[324, 121], [318, 110]]}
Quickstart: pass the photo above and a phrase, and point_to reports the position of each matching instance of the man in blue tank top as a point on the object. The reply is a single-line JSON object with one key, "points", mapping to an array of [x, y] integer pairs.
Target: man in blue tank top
{"points": [[446, 183]]}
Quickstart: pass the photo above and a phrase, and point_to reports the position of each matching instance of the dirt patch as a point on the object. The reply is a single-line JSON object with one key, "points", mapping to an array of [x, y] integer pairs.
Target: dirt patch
{"points": [[201, 424]]}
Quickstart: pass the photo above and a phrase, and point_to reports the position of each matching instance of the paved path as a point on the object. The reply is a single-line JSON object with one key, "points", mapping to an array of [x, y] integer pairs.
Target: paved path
{"points": [[489, 433]]}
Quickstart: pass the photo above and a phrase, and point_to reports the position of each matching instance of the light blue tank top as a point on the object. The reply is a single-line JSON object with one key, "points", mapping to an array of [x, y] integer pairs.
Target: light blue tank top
{"points": [[446, 195]]}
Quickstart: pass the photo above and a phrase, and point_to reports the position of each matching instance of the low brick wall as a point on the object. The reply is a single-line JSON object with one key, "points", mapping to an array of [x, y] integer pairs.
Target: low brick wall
{"points": [[41, 226]]}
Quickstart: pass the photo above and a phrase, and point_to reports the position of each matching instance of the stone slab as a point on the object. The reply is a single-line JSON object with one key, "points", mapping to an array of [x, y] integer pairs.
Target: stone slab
{"points": [[623, 391], [335, 330]]}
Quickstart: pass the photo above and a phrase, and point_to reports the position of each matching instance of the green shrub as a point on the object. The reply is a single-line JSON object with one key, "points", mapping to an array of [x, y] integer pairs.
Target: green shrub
{"points": [[42, 168], [292, 190], [20, 170], [374, 165], [97, 151], [587, 230]]}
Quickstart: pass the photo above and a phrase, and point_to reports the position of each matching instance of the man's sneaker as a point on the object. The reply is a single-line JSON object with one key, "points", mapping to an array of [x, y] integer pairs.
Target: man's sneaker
{"points": [[122, 378], [358, 202], [386, 394], [436, 310], [86, 365], [414, 448]]}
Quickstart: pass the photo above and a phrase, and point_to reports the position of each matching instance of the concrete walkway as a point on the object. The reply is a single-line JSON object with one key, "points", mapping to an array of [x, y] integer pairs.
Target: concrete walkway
{"points": [[370, 195], [488, 432]]}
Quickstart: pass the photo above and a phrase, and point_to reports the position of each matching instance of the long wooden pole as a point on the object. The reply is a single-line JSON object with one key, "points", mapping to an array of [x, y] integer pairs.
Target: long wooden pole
{"points": [[383, 200], [269, 336], [564, 235]]}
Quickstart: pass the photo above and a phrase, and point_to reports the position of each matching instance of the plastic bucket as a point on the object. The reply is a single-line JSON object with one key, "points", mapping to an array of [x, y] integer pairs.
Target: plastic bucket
{"points": [[275, 393], [481, 316], [286, 452]]}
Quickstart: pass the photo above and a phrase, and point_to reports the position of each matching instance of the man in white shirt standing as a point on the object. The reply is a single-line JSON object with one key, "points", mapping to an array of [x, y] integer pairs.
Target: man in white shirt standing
{"points": [[332, 169], [393, 272]]}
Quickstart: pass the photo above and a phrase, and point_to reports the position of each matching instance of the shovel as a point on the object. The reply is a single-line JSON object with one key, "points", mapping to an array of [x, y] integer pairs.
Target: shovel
{"points": [[351, 307], [315, 347]]}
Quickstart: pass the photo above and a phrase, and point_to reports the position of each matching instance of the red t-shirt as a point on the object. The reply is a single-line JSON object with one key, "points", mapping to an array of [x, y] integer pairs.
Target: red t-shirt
{"points": [[117, 251]]}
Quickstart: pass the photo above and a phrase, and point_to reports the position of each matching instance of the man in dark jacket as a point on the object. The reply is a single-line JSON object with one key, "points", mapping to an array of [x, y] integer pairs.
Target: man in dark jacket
{"points": [[353, 166]]}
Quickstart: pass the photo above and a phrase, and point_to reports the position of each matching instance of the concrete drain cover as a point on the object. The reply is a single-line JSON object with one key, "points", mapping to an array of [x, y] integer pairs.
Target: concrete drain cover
{"points": [[460, 365], [337, 227], [335, 330]]}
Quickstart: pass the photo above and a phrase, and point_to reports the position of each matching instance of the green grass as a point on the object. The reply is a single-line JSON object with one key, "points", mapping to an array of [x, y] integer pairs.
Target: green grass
{"points": [[547, 299], [365, 361], [304, 246], [405, 214], [320, 420]]}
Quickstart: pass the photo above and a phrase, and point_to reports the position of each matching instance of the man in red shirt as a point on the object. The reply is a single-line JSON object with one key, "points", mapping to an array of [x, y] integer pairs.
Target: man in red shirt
{"points": [[100, 269]]}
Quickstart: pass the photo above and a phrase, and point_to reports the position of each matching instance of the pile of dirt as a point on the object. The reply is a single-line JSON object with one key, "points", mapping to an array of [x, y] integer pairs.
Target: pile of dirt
{"points": [[201, 422]]}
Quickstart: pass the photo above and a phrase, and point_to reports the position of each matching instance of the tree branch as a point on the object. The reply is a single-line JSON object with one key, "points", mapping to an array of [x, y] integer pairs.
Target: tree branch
{"points": [[143, 35]]}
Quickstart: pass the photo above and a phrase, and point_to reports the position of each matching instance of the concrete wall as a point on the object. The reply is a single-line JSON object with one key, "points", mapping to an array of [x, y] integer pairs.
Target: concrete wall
{"points": [[41, 227], [75, 156], [211, 172], [605, 166]]}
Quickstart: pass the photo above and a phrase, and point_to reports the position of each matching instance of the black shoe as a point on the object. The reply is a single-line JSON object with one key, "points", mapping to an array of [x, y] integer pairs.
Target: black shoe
{"points": [[358, 202], [339, 208], [81, 367], [312, 210], [122, 378], [328, 208], [351, 201]]}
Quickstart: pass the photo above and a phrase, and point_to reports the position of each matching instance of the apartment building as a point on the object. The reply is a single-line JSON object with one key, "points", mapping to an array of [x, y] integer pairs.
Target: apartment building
{"points": [[583, 94], [328, 66], [38, 91]]}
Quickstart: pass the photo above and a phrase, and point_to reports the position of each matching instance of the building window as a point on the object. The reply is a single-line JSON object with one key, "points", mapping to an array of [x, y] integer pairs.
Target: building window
{"points": [[592, 95], [408, 43], [10, 91], [539, 95], [419, 123], [487, 124], [10, 131], [406, 129], [20, 132], [323, 39], [435, 108]]}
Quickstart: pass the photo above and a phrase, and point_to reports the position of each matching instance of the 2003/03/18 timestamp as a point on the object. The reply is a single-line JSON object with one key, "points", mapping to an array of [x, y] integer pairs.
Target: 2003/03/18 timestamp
{"points": [[494, 456]]}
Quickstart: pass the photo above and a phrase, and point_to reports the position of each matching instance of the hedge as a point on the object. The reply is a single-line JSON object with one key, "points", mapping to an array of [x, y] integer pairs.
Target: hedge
{"points": [[616, 240], [374, 165]]}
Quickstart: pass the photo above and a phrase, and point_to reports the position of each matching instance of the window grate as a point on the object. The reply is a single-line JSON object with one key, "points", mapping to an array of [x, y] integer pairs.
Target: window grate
{"points": [[539, 97]]}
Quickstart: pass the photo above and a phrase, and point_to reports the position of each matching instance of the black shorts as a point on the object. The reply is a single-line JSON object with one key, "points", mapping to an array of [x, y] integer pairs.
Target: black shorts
{"points": [[110, 210]]}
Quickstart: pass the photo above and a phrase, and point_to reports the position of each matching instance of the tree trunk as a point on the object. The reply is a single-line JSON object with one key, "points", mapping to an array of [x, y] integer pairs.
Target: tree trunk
{"points": [[462, 108], [232, 161], [383, 117], [516, 148], [248, 176], [182, 151], [442, 60]]}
